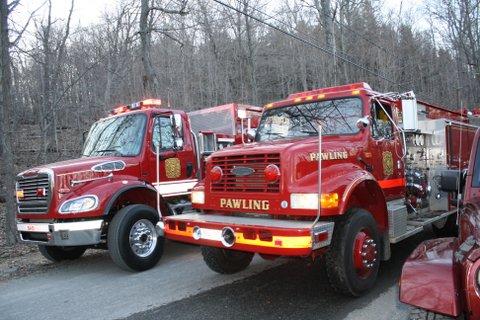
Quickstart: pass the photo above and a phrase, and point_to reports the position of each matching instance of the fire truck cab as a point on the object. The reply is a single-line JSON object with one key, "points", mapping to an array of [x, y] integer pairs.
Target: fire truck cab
{"points": [[138, 165], [340, 172]]}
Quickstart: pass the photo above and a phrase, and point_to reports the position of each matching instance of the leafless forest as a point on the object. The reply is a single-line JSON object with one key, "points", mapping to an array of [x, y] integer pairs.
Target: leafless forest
{"points": [[56, 78]]}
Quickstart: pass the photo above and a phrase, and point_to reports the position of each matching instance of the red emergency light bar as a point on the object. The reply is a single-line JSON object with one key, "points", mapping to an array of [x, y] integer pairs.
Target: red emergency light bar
{"points": [[144, 104], [347, 87]]}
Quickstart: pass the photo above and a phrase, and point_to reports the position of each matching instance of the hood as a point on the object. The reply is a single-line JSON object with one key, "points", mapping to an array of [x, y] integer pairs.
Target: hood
{"points": [[67, 174], [74, 165]]}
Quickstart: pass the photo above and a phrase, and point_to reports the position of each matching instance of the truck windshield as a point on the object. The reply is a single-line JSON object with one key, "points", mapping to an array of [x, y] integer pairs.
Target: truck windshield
{"points": [[336, 117], [119, 136]]}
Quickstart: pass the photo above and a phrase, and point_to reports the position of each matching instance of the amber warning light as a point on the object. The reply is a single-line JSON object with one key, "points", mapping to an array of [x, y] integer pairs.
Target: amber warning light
{"points": [[144, 104]]}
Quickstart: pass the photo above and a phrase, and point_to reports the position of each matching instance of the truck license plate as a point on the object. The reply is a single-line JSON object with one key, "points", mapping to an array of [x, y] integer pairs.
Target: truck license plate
{"points": [[211, 234]]}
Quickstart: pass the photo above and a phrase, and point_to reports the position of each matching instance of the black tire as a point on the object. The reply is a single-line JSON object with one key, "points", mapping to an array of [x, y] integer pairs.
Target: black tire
{"points": [[57, 254], [339, 261], [422, 314], [226, 261], [450, 229], [118, 240]]}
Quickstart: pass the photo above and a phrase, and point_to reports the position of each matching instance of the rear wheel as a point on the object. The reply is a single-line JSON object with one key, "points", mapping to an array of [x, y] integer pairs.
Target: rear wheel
{"points": [[422, 314], [226, 261], [352, 261], [133, 243], [446, 228], [57, 254]]}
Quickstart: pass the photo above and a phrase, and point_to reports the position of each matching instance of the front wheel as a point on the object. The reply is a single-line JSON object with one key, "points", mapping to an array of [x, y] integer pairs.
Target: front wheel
{"points": [[226, 261], [352, 261], [57, 254], [133, 243]]}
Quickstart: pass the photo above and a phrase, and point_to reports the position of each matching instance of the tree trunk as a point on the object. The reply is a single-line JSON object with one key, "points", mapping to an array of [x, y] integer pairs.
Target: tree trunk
{"points": [[5, 118], [150, 81]]}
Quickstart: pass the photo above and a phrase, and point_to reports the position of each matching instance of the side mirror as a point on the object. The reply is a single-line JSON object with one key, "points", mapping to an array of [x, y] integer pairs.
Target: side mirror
{"points": [[84, 136], [251, 133], [179, 143], [363, 123], [176, 121]]}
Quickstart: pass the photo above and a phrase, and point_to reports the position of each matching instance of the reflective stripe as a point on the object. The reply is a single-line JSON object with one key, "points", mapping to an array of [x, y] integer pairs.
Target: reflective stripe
{"points": [[299, 242], [175, 188], [392, 183], [60, 226]]}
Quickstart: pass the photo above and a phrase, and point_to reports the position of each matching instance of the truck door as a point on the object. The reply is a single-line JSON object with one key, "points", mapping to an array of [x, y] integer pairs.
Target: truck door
{"points": [[176, 159], [387, 149]]}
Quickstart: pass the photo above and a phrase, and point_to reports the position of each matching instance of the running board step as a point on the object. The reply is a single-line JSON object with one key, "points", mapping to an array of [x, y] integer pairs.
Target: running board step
{"points": [[417, 225]]}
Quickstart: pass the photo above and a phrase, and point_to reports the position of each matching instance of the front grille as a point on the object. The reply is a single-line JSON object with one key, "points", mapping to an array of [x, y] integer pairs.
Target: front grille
{"points": [[33, 201], [251, 183]]}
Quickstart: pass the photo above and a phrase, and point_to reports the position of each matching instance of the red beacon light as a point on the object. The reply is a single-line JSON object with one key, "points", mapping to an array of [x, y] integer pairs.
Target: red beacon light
{"points": [[272, 173], [216, 173]]}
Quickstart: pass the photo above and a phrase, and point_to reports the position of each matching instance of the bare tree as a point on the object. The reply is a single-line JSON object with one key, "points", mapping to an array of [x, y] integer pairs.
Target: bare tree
{"points": [[53, 44], [146, 27], [462, 21], [6, 108]]}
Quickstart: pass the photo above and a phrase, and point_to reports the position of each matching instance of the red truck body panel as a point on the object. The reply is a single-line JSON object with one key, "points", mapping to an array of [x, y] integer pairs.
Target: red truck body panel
{"points": [[429, 280]]}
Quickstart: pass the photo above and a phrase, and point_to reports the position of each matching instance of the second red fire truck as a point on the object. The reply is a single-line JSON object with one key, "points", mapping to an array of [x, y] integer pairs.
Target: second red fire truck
{"points": [[138, 164], [340, 172]]}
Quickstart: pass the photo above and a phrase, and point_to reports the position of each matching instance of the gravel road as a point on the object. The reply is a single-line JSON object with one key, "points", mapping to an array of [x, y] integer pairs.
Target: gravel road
{"points": [[182, 287]]}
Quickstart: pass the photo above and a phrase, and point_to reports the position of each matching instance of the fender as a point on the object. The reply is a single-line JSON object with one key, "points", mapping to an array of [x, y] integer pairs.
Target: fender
{"points": [[146, 190], [356, 187], [429, 280], [364, 192]]}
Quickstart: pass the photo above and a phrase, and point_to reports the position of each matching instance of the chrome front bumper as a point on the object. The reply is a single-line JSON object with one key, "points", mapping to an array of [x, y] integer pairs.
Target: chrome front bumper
{"points": [[61, 234]]}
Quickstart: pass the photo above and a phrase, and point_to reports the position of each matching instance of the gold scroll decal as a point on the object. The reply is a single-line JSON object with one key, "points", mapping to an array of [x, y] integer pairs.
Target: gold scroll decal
{"points": [[172, 168], [387, 163], [331, 155], [247, 204]]}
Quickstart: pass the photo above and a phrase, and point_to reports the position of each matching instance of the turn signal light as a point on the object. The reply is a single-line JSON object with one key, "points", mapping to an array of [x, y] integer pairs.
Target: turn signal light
{"points": [[272, 173], [329, 200], [216, 173], [19, 194]]}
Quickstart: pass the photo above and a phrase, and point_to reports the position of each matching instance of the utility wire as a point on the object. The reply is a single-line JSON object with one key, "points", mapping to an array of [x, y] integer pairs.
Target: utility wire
{"points": [[307, 42], [336, 51]]}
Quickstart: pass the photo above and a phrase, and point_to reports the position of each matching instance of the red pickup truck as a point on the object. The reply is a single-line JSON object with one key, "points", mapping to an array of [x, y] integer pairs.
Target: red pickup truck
{"points": [[441, 278]]}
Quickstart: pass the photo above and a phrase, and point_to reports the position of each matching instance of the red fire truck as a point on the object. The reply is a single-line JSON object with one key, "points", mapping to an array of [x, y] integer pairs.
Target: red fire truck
{"points": [[138, 164], [442, 276], [340, 172]]}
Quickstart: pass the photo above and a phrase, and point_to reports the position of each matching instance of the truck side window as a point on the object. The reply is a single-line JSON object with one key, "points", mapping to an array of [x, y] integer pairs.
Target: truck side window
{"points": [[381, 125], [163, 134], [476, 168]]}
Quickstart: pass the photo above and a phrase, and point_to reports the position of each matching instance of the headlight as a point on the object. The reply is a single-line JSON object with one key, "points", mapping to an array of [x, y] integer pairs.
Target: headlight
{"points": [[81, 204], [198, 196], [310, 200], [304, 200]]}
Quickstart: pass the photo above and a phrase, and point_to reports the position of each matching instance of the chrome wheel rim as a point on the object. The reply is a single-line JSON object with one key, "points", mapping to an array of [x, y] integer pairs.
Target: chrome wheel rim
{"points": [[143, 238]]}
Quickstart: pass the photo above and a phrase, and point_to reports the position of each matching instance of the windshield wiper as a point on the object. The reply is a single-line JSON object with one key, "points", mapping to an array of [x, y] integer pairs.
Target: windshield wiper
{"points": [[305, 117], [112, 149]]}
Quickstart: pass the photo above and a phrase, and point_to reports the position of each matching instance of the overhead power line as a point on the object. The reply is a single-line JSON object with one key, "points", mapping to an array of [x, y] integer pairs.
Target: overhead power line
{"points": [[307, 41]]}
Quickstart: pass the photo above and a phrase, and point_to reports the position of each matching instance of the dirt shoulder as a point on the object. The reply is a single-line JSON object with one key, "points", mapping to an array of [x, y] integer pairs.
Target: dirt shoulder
{"points": [[20, 260]]}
